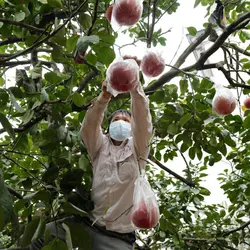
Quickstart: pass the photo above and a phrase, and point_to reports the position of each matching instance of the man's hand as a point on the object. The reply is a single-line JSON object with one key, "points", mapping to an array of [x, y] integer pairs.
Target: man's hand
{"points": [[105, 93]]}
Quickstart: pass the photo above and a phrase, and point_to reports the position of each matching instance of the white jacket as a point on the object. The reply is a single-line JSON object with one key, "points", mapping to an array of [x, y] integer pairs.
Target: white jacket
{"points": [[115, 168]]}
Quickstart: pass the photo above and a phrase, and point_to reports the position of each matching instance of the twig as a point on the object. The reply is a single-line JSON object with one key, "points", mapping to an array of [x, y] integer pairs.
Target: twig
{"points": [[94, 18], [221, 39], [150, 34], [20, 24], [170, 6], [237, 48], [187, 182], [15, 193], [236, 229]]}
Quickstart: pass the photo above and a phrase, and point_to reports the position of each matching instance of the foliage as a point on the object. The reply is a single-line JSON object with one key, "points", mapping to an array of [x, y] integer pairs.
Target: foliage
{"points": [[44, 161]]}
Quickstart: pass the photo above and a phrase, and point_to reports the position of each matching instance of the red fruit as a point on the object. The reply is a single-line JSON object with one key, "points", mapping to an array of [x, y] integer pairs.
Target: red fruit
{"points": [[152, 64], [78, 58], [223, 105], [145, 218], [123, 75], [247, 103], [127, 12], [138, 61], [109, 13]]}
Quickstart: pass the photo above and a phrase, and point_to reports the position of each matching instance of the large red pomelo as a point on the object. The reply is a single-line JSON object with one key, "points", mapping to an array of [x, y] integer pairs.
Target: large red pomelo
{"points": [[109, 13], [127, 12], [123, 76], [145, 218], [152, 64], [223, 105], [247, 103]]}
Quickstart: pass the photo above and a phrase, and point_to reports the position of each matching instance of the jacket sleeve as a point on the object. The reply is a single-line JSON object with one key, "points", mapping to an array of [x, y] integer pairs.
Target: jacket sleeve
{"points": [[141, 124], [91, 131]]}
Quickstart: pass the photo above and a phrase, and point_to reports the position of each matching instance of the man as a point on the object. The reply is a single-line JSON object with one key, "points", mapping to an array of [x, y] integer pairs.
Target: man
{"points": [[116, 158]]}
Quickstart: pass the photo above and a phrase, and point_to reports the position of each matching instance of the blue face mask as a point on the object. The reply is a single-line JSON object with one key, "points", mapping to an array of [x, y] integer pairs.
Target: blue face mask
{"points": [[119, 130]]}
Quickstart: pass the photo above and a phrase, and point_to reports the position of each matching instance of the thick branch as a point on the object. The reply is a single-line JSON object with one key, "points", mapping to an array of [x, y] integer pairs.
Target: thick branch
{"points": [[221, 39], [187, 182], [17, 63], [15, 193], [193, 46], [86, 80], [20, 24], [237, 229]]}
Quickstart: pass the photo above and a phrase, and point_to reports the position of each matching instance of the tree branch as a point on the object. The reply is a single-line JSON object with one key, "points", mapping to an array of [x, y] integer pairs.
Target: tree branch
{"points": [[85, 81], [15, 193], [28, 125], [94, 18], [11, 40], [193, 46], [221, 39], [237, 48], [236, 229], [150, 35], [20, 24], [187, 182], [230, 80]]}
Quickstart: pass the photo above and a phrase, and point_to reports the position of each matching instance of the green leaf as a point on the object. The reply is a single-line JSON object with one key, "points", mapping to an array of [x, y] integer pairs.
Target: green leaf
{"points": [[80, 236], [2, 3], [7, 126], [52, 78], [191, 153], [192, 31], [183, 86], [15, 104], [60, 37], [4, 97], [55, 3], [246, 122], [105, 54], [29, 231], [172, 129], [185, 119], [78, 99], [68, 236], [19, 16], [84, 163], [1, 81], [197, 2], [85, 20], [72, 209], [40, 228]]}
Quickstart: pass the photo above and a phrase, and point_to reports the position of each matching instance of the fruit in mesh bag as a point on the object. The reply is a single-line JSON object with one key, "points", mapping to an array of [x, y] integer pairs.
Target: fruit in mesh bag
{"points": [[224, 104], [127, 12], [109, 13], [145, 216], [247, 103], [123, 76], [152, 64]]}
